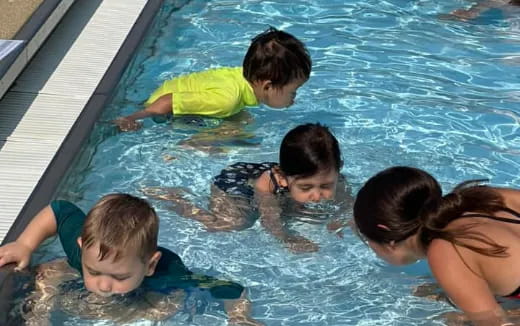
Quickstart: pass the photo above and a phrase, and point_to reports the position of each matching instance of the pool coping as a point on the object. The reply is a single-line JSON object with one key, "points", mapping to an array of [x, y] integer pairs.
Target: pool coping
{"points": [[78, 134]]}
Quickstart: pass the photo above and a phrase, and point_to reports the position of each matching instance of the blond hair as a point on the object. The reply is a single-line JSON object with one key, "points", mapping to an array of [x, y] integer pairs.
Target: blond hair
{"points": [[119, 223]]}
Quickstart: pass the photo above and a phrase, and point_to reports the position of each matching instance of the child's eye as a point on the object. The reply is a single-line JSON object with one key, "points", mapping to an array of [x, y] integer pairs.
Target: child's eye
{"points": [[305, 188], [121, 278], [93, 273]]}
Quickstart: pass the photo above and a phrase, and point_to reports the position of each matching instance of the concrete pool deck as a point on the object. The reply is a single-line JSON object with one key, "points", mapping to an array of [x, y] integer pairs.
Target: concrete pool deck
{"points": [[14, 14]]}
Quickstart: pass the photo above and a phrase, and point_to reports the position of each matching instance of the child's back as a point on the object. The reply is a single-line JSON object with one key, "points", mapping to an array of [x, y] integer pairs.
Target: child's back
{"points": [[218, 93]]}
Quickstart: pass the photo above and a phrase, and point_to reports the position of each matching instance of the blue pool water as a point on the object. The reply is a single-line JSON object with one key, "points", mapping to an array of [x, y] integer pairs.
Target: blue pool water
{"points": [[397, 85]]}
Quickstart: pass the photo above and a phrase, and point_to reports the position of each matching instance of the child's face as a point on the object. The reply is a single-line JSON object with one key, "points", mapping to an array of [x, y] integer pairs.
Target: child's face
{"points": [[321, 186], [107, 277], [280, 97]]}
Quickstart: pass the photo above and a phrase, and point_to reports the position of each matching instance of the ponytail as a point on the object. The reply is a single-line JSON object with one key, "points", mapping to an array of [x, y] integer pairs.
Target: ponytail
{"points": [[467, 197], [409, 201]]}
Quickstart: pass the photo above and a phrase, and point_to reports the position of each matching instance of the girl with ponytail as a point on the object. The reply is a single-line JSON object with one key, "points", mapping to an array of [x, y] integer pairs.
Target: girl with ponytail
{"points": [[470, 237]]}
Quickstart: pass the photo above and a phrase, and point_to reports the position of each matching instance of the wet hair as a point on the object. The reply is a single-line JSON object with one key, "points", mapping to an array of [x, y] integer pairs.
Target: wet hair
{"points": [[309, 149], [409, 201], [120, 223], [276, 56], [514, 2]]}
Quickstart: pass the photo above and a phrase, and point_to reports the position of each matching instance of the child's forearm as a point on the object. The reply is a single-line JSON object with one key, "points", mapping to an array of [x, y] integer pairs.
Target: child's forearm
{"points": [[42, 226], [270, 212], [477, 9], [141, 114], [239, 311], [163, 105], [270, 220]]}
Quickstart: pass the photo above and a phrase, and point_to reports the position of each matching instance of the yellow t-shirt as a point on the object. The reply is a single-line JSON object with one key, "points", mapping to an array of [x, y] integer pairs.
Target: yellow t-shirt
{"points": [[218, 93]]}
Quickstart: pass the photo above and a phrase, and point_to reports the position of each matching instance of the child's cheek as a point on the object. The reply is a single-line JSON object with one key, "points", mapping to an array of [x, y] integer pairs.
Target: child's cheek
{"points": [[88, 282]]}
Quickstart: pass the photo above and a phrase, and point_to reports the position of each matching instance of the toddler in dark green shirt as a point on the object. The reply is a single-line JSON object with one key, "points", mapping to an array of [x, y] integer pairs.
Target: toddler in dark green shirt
{"points": [[115, 249]]}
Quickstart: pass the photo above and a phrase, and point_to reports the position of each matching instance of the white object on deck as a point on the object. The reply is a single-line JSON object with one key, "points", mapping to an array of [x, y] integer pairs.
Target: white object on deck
{"points": [[8, 46]]}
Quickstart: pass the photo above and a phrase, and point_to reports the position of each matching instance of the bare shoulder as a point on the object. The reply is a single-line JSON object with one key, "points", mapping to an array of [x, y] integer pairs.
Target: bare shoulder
{"points": [[511, 197], [263, 183], [439, 250], [445, 258]]}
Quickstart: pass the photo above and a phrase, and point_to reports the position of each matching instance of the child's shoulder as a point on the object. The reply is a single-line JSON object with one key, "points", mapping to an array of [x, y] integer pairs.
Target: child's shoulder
{"points": [[169, 262], [67, 212], [266, 181]]}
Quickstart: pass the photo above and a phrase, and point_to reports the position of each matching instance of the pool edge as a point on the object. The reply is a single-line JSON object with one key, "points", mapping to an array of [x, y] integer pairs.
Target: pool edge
{"points": [[69, 148]]}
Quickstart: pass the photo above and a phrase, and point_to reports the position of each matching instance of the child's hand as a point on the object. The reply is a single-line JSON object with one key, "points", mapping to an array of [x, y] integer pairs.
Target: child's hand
{"points": [[245, 322], [297, 243], [15, 252], [464, 14], [125, 124], [430, 291], [336, 226], [239, 312], [454, 318]]}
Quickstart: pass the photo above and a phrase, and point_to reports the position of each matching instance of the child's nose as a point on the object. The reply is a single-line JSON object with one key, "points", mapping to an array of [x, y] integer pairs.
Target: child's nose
{"points": [[315, 196], [104, 285]]}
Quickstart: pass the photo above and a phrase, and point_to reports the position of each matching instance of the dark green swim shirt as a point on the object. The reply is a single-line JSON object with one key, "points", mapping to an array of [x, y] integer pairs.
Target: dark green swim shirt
{"points": [[170, 272]]}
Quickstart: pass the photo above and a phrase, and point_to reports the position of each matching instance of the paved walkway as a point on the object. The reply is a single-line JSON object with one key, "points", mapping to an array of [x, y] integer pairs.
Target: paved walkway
{"points": [[13, 14]]}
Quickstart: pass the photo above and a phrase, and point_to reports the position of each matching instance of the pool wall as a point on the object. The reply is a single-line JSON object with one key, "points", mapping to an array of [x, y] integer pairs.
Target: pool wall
{"points": [[79, 133]]}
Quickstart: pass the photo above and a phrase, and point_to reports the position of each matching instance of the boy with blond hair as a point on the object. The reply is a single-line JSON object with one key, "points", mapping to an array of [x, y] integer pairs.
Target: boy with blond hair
{"points": [[114, 247]]}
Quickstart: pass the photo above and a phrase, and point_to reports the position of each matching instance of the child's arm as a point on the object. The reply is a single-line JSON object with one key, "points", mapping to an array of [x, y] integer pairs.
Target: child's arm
{"points": [[239, 311], [173, 273], [477, 9], [270, 217], [345, 201], [163, 105], [42, 226], [39, 304]]}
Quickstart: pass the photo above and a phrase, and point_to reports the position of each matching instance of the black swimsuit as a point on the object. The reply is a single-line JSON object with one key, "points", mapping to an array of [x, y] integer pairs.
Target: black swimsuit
{"points": [[236, 179], [516, 293]]}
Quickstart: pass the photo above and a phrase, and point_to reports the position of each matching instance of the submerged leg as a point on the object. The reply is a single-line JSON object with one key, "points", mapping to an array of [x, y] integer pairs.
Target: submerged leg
{"points": [[181, 205], [233, 213], [39, 304], [225, 213]]}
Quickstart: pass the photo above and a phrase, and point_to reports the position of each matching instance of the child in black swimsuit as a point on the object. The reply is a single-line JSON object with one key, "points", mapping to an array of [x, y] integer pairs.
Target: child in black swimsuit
{"points": [[310, 160], [470, 237]]}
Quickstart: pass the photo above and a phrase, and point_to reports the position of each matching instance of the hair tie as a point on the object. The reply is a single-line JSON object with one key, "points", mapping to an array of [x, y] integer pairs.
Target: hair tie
{"points": [[384, 227]]}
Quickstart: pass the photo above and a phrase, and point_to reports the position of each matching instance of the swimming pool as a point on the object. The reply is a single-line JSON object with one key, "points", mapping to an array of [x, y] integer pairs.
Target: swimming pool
{"points": [[396, 85]]}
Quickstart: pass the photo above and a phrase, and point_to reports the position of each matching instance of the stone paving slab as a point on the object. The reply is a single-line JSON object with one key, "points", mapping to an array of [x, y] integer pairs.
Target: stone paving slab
{"points": [[13, 14]]}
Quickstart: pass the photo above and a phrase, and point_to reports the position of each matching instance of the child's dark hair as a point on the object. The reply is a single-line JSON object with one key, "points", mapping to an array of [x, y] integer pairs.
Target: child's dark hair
{"points": [[308, 149], [409, 201], [276, 56]]}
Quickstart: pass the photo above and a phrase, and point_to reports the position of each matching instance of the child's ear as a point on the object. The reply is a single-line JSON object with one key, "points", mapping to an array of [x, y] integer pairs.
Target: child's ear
{"points": [[280, 177], [80, 243], [152, 263], [266, 85], [282, 181]]}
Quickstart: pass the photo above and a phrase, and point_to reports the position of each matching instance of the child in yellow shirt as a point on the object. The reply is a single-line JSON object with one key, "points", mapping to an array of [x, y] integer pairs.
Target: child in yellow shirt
{"points": [[275, 66]]}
